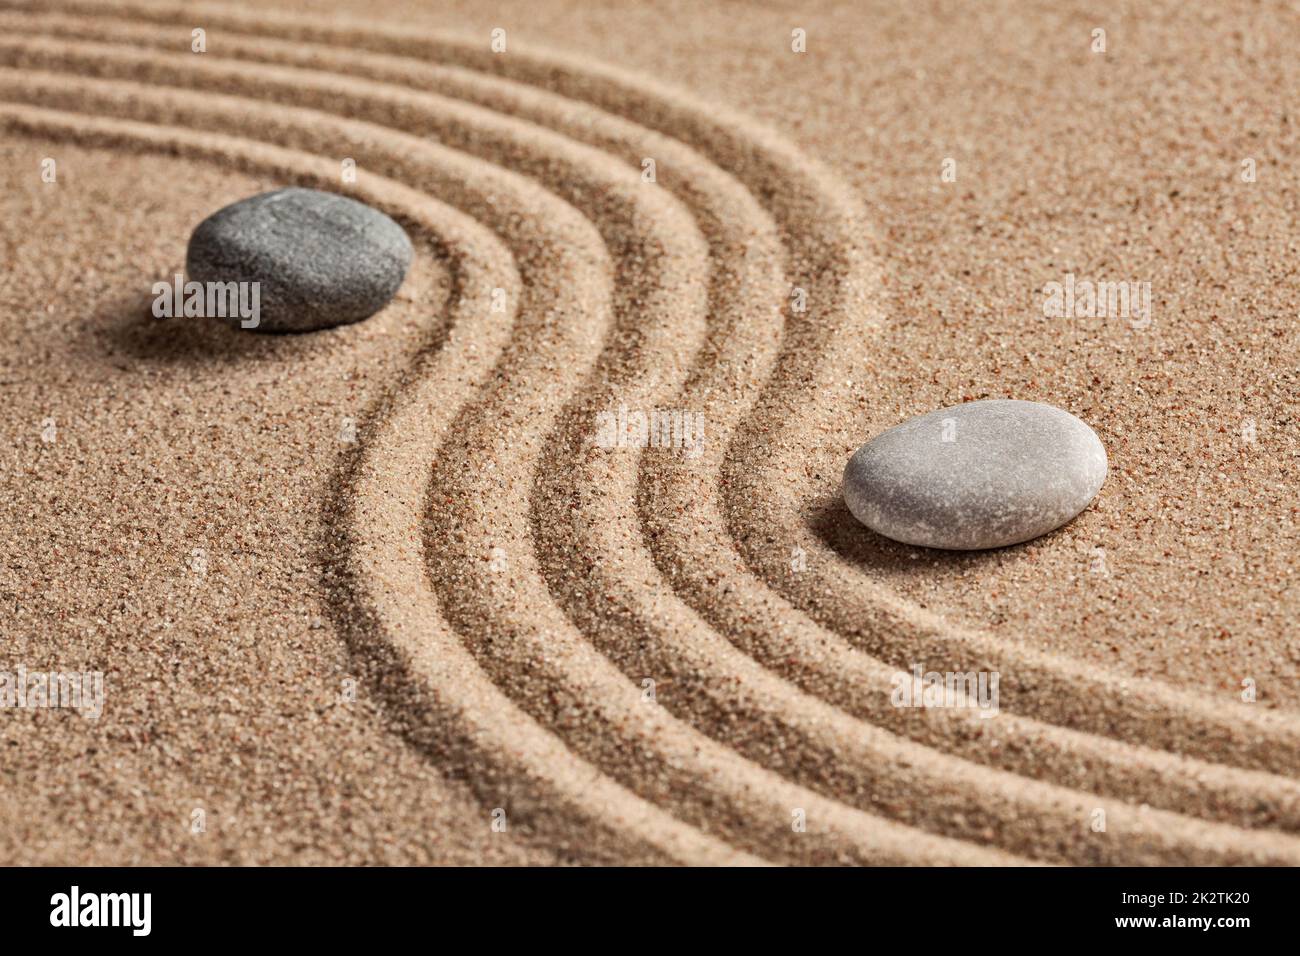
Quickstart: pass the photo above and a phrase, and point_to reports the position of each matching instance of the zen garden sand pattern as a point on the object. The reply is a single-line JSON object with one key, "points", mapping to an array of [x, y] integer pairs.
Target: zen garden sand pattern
{"points": [[506, 520]]}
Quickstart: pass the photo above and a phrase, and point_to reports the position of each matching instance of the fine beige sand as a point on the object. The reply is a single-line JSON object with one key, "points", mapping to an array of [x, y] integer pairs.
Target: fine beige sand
{"points": [[379, 594]]}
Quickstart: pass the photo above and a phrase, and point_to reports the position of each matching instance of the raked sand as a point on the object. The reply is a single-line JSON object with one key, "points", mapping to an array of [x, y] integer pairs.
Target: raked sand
{"points": [[379, 595]]}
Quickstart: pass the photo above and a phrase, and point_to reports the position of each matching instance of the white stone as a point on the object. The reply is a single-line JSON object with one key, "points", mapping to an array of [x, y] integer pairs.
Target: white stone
{"points": [[980, 475]]}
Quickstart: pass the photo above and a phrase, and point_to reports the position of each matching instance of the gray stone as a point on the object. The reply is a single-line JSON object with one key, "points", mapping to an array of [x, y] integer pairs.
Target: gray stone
{"points": [[980, 475], [321, 259]]}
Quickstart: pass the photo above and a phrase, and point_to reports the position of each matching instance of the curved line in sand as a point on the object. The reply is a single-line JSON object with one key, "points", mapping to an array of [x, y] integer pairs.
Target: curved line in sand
{"points": [[751, 794], [1227, 797], [490, 732], [1051, 687], [1071, 810], [905, 790]]}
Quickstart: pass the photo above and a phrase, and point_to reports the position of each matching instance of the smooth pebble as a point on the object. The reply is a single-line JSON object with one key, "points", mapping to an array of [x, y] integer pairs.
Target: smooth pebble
{"points": [[322, 259], [980, 475]]}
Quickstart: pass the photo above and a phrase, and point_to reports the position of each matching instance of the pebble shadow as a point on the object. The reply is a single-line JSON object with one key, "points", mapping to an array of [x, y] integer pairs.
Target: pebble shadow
{"points": [[834, 525], [125, 329]]}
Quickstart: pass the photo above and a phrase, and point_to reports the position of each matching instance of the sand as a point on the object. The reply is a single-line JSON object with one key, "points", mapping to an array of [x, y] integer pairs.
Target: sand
{"points": [[379, 595]]}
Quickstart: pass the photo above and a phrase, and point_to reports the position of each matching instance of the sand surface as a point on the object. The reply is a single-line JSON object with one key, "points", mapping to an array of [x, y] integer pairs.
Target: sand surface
{"points": [[379, 595]]}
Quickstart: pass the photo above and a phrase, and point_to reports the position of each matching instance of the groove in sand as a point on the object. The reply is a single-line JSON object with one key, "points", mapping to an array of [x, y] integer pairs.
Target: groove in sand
{"points": [[519, 369], [792, 377], [473, 721], [858, 837]]}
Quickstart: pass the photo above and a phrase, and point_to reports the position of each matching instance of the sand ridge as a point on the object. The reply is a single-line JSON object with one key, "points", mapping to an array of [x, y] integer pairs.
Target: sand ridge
{"points": [[513, 598]]}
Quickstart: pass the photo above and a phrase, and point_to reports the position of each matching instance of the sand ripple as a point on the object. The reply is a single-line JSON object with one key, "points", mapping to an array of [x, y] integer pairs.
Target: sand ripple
{"points": [[511, 585]]}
